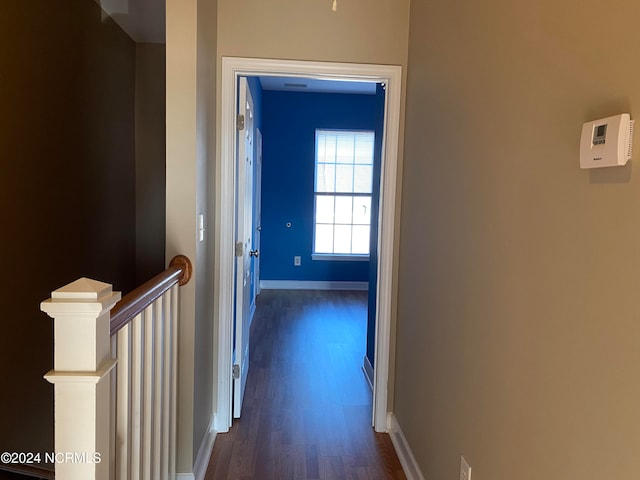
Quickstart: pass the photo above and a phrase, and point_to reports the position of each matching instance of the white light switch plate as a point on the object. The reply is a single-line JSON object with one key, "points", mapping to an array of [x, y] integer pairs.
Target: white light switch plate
{"points": [[465, 470], [201, 227]]}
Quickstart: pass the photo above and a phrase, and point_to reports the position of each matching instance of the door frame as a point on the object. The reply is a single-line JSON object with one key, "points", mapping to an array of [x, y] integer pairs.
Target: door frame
{"points": [[232, 69]]}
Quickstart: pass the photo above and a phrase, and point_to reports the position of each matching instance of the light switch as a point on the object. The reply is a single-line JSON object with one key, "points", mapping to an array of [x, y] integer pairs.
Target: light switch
{"points": [[201, 227]]}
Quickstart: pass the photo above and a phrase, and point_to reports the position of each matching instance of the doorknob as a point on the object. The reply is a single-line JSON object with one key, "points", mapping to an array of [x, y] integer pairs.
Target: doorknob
{"points": [[254, 253]]}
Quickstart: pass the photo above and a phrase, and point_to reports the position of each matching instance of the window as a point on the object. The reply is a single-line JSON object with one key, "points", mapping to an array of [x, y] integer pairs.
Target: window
{"points": [[343, 185]]}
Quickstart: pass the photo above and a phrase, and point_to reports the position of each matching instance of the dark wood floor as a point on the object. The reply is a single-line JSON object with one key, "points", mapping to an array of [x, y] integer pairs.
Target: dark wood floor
{"points": [[307, 407]]}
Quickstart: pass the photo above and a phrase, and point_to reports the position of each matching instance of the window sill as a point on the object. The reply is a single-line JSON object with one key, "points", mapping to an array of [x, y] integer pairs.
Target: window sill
{"points": [[343, 258]]}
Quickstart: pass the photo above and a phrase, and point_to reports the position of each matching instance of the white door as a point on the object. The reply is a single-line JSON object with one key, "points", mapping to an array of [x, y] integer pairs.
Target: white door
{"points": [[257, 227], [244, 231]]}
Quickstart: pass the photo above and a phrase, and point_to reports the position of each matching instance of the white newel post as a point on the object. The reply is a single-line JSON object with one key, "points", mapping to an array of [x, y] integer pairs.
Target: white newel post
{"points": [[82, 362]]}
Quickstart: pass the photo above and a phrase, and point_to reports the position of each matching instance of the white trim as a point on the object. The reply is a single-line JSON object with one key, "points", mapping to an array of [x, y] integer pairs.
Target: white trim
{"points": [[185, 476], [367, 369], [225, 238], [386, 229], [311, 285], [403, 450], [390, 75], [205, 450], [54, 376]]}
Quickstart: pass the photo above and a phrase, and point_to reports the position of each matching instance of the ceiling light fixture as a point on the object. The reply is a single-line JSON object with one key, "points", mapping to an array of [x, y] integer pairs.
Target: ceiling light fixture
{"points": [[334, 7]]}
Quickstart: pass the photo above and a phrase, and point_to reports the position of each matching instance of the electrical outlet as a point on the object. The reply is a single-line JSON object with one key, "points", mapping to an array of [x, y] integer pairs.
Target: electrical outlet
{"points": [[297, 261], [465, 470]]}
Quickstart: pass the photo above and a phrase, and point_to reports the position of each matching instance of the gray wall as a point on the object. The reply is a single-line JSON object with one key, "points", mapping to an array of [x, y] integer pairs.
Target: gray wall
{"points": [[191, 126], [67, 180], [204, 341], [518, 287]]}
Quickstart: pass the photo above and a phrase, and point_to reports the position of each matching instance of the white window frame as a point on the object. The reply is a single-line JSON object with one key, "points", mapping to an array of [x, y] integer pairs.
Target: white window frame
{"points": [[363, 257]]}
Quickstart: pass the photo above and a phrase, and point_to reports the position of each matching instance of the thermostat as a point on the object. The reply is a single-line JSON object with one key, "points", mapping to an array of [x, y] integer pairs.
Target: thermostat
{"points": [[606, 142]]}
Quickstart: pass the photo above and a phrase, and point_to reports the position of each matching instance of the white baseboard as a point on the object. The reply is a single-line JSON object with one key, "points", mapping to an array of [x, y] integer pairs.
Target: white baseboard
{"points": [[367, 368], [204, 455], [403, 450], [311, 285]]}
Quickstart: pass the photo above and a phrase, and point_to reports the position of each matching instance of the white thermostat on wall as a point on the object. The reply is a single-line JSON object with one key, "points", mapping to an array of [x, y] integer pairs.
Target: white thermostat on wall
{"points": [[606, 142]]}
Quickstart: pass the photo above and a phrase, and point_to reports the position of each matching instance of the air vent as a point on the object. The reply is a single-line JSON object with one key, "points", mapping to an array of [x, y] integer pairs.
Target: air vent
{"points": [[295, 85]]}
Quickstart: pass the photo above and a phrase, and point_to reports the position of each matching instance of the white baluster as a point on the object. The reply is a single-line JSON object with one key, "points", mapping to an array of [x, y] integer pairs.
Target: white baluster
{"points": [[147, 416], [166, 385], [137, 408], [156, 448], [123, 404], [173, 431], [114, 401]]}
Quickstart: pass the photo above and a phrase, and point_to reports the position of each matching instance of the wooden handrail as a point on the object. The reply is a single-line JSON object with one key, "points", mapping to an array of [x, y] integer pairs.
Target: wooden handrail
{"points": [[137, 300]]}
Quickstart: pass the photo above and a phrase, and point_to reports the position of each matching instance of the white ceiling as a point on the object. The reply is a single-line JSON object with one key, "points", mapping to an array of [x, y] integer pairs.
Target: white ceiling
{"points": [[143, 20], [289, 84]]}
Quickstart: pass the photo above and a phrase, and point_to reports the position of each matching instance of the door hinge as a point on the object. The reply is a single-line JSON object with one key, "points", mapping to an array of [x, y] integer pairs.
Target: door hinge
{"points": [[236, 372], [240, 122], [239, 249]]}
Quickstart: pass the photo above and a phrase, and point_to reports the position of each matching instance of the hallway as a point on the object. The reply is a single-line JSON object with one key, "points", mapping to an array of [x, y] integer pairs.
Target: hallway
{"points": [[307, 407]]}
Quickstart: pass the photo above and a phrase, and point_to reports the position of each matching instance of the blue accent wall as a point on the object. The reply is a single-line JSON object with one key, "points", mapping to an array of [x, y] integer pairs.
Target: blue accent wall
{"points": [[289, 121]]}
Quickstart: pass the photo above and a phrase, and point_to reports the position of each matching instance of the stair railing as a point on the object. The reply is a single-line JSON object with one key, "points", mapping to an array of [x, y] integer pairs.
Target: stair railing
{"points": [[114, 377]]}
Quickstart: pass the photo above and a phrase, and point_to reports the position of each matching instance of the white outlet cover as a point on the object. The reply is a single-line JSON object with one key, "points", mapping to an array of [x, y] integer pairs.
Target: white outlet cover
{"points": [[465, 469]]}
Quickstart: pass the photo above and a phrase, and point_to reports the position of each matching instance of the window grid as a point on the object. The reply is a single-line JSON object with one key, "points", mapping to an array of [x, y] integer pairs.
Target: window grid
{"points": [[343, 187]]}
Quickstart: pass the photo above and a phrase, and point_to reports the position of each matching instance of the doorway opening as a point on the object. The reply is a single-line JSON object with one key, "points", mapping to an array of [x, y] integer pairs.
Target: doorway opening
{"points": [[232, 70]]}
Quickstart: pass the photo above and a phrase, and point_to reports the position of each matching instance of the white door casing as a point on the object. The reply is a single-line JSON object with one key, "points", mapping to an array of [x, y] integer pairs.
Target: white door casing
{"points": [[244, 242], [234, 68]]}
